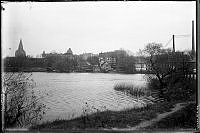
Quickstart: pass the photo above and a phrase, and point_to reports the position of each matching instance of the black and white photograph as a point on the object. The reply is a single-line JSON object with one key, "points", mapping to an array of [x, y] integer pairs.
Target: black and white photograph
{"points": [[99, 66]]}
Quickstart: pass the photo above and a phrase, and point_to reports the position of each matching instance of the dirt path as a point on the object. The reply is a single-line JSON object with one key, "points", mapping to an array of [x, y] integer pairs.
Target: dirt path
{"points": [[147, 123]]}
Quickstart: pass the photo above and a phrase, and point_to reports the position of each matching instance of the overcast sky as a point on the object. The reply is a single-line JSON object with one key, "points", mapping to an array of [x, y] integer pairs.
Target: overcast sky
{"points": [[95, 26]]}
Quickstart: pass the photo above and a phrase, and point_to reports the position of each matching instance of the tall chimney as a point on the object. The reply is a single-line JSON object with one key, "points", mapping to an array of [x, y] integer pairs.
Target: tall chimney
{"points": [[193, 52], [173, 43]]}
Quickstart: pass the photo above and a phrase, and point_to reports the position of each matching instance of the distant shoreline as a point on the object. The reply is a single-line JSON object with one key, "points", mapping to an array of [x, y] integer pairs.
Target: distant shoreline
{"points": [[40, 69]]}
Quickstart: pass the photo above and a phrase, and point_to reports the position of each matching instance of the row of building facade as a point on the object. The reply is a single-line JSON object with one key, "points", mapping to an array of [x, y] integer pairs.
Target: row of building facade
{"points": [[107, 60]]}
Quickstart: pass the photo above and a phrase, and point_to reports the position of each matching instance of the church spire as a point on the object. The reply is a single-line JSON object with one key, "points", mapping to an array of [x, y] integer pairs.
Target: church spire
{"points": [[20, 45], [20, 51]]}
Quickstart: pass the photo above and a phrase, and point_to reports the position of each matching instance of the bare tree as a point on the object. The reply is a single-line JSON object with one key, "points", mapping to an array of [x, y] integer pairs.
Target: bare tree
{"points": [[21, 107], [164, 64], [152, 51]]}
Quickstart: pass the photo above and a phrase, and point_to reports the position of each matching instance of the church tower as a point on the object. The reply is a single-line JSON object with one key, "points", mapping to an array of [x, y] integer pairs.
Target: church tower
{"points": [[43, 54], [69, 53], [20, 51]]}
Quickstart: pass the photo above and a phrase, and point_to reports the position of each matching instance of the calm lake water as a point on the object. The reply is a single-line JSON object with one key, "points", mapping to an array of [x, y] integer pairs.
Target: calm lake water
{"points": [[66, 94]]}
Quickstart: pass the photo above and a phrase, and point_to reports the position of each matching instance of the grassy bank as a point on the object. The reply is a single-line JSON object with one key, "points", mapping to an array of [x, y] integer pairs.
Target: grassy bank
{"points": [[110, 119], [182, 119]]}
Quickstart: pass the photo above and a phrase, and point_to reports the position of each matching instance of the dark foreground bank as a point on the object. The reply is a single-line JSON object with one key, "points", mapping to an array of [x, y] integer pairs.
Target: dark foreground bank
{"points": [[128, 118], [185, 118]]}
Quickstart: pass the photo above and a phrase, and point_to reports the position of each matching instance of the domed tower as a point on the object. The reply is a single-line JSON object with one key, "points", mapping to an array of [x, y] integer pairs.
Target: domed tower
{"points": [[20, 51], [43, 54], [69, 52]]}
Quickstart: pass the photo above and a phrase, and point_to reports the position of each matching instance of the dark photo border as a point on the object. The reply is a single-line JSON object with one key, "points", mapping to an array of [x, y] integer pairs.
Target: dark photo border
{"points": [[197, 67]]}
